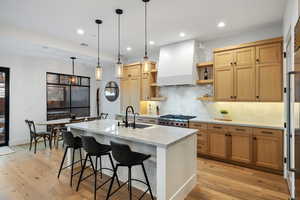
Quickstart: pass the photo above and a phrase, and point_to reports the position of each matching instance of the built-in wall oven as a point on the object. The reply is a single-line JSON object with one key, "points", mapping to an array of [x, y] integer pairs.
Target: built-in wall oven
{"points": [[293, 117]]}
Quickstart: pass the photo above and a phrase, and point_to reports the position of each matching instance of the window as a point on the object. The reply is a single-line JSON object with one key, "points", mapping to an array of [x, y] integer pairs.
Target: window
{"points": [[64, 98]]}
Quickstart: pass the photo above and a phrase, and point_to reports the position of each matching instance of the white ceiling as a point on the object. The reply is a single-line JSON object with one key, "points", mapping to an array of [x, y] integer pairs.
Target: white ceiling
{"points": [[59, 19]]}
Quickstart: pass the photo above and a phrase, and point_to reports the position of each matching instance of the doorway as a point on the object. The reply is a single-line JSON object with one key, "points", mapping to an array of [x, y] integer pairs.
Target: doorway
{"points": [[4, 106]]}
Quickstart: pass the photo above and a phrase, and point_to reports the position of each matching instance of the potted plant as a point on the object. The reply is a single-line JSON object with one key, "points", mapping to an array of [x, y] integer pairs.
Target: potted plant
{"points": [[225, 114]]}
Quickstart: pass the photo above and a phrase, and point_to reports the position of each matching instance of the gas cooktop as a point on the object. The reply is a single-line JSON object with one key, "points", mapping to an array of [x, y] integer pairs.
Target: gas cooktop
{"points": [[175, 120], [179, 117]]}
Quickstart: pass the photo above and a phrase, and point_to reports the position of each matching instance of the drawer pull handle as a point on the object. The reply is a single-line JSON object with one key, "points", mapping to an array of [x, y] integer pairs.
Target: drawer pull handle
{"points": [[239, 129], [267, 132], [218, 127]]}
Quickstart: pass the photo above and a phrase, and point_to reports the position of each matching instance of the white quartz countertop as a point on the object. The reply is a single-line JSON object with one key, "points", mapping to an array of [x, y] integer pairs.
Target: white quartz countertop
{"points": [[239, 123], [234, 122], [156, 135]]}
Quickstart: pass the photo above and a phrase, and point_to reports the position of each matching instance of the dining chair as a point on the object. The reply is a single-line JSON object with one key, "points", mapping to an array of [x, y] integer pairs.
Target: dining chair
{"points": [[103, 115], [36, 136]]}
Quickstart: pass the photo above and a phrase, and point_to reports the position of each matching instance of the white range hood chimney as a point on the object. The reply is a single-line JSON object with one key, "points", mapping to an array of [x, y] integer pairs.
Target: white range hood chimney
{"points": [[177, 64]]}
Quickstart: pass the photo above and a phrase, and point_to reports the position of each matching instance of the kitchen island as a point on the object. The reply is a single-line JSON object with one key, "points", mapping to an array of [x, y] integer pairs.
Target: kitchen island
{"points": [[172, 168]]}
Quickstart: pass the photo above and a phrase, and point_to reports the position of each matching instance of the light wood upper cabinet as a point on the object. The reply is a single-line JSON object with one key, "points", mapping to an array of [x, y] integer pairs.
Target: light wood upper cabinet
{"points": [[223, 84], [269, 72], [146, 87], [131, 87], [224, 59], [249, 72], [244, 74]]}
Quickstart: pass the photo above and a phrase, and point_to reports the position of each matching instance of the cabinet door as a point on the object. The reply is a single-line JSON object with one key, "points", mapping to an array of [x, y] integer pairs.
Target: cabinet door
{"points": [[202, 139], [269, 72], [224, 59], [135, 93], [125, 90], [145, 89], [267, 148], [240, 147], [244, 74], [217, 144], [223, 84]]}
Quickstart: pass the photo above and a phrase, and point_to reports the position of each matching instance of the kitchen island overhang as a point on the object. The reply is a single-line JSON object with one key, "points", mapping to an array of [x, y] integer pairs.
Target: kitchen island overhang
{"points": [[172, 169]]}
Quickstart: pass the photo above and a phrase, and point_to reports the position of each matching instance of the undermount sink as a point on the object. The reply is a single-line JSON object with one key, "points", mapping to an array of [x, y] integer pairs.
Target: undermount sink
{"points": [[142, 125]]}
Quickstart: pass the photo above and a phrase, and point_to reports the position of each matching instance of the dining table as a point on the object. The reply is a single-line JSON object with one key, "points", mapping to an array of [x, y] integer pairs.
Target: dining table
{"points": [[57, 125]]}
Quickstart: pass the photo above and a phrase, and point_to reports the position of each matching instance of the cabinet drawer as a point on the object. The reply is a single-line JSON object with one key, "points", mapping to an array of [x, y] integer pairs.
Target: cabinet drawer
{"points": [[217, 127], [267, 132], [240, 129], [197, 125], [202, 135], [202, 148]]}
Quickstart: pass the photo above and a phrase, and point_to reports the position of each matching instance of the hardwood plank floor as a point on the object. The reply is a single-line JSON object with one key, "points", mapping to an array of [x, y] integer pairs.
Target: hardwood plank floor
{"points": [[27, 176]]}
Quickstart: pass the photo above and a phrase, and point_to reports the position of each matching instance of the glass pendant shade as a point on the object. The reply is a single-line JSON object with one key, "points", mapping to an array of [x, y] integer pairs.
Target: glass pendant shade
{"points": [[99, 73], [119, 70], [146, 65], [73, 79]]}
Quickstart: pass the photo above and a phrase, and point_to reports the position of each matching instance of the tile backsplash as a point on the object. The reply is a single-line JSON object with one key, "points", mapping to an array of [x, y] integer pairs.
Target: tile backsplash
{"points": [[182, 100]]}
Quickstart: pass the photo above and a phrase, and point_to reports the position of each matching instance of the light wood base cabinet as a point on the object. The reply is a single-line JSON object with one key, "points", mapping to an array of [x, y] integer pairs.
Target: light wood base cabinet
{"points": [[252, 147], [268, 148]]}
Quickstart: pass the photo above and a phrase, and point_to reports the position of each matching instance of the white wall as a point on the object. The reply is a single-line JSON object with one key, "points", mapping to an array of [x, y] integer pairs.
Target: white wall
{"points": [[28, 89], [265, 32]]}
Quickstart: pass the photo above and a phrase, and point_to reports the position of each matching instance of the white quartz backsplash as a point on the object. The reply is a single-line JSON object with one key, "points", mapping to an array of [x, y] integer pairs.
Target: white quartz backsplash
{"points": [[182, 100]]}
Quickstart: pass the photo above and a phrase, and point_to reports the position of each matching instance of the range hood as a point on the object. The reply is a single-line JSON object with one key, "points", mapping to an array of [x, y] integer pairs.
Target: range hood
{"points": [[177, 63]]}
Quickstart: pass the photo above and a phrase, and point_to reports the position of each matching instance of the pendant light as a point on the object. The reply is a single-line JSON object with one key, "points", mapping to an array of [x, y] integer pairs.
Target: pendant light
{"points": [[119, 65], [99, 70], [146, 64], [73, 78]]}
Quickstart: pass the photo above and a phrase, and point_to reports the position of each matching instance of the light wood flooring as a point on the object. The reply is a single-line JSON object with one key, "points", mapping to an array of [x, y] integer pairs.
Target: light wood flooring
{"points": [[24, 175]]}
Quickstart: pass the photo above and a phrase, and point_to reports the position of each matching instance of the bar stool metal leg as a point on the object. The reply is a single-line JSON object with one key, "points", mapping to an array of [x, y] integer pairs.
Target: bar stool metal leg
{"points": [[81, 173], [129, 182], [62, 162], [72, 166], [112, 182], [147, 181], [95, 184], [113, 167]]}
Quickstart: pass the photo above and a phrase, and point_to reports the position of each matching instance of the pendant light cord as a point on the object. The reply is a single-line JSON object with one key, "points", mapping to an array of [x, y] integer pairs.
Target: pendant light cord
{"points": [[98, 46], [146, 46], [119, 40], [72, 66]]}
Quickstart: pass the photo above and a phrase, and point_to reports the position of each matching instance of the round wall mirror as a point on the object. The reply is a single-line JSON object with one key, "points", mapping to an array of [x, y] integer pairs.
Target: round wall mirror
{"points": [[111, 91]]}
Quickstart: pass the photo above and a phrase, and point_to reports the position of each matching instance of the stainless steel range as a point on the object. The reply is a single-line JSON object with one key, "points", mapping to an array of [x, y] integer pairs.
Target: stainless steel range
{"points": [[175, 120]]}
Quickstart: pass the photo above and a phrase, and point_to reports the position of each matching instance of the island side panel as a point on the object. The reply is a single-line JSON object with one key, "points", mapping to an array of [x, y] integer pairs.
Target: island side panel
{"points": [[177, 169]]}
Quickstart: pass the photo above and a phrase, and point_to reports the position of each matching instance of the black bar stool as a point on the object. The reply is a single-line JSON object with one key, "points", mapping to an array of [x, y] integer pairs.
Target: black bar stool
{"points": [[95, 149], [127, 158], [73, 143]]}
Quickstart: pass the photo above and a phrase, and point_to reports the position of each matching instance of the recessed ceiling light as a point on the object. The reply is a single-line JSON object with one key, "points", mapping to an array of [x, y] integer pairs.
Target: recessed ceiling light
{"points": [[151, 42], [182, 34], [128, 48], [221, 24], [80, 31]]}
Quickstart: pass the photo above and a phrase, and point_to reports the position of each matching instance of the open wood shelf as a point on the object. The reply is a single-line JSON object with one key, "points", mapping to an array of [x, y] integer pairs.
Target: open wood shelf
{"points": [[209, 81], [205, 98], [154, 85], [205, 64], [158, 98]]}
